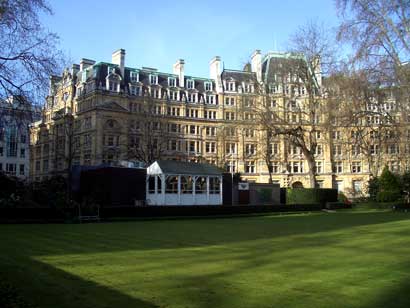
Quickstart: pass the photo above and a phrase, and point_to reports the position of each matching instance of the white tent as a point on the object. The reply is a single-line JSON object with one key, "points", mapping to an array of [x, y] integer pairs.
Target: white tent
{"points": [[182, 183]]}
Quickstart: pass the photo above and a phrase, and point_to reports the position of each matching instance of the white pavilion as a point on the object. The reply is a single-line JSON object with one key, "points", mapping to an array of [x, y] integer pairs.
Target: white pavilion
{"points": [[183, 183]]}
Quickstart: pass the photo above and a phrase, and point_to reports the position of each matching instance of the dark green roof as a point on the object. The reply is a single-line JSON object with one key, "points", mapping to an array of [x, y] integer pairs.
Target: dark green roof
{"points": [[179, 167]]}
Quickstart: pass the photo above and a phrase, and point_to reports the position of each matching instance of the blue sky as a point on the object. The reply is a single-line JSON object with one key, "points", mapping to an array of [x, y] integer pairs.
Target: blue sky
{"points": [[157, 33]]}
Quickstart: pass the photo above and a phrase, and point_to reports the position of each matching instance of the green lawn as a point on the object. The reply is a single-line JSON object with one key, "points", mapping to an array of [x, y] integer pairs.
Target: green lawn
{"points": [[343, 259]]}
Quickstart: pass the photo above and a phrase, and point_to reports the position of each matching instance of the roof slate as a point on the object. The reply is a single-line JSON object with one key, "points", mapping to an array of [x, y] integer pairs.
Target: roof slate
{"points": [[179, 167], [239, 76]]}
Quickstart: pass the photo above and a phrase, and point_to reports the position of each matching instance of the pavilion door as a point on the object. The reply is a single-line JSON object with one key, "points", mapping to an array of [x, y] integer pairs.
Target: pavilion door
{"points": [[243, 197]]}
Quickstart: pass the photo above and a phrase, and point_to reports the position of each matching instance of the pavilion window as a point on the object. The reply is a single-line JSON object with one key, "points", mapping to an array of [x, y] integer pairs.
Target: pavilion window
{"points": [[151, 185], [200, 185], [214, 185], [186, 185], [171, 185]]}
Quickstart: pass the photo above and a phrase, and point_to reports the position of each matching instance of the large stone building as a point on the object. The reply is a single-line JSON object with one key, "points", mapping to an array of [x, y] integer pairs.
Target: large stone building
{"points": [[108, 113], [16, 114]]}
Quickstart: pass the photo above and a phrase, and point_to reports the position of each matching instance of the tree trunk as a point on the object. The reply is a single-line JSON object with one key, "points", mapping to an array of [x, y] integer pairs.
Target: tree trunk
{"points": [[312, 173]]}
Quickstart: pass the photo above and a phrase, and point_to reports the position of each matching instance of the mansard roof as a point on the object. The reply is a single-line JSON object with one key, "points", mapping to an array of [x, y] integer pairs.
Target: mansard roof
{"points": [[101, 72], [278, 63], [239, 76]]}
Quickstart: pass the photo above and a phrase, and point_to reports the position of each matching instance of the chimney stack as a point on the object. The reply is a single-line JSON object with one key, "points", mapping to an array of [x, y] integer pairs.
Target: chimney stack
{"points": [[215, 67], [118, 57], [256, 64], [84, 63], [215, 72], [179, 69]]}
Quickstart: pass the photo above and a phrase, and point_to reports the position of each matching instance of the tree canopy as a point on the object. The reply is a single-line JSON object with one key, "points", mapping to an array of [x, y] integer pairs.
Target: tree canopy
{"points": [[29, 53]]}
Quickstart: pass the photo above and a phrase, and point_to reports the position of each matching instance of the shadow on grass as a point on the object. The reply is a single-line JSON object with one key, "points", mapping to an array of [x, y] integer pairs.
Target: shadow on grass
{"points": [[37, 240], [397, 298], [41, 285], [280, 261]]}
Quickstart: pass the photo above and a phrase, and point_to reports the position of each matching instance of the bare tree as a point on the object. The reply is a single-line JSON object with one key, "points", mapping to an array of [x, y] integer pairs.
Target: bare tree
{"points": [[297, 115], [28, 53], [367, 115], [379, 32], [148, 132]]}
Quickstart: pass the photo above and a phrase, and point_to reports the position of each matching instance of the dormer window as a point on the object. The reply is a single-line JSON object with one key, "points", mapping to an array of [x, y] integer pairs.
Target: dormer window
{"points": [[153, 79], [173, 95], [135, 91], [156, 93], [230, 86], [208, 86], [84, 76], [111, 70], [113, 86], [247, 88], [191, 97], [171, 82], [190, 84], [134, 77], [210, 99]]}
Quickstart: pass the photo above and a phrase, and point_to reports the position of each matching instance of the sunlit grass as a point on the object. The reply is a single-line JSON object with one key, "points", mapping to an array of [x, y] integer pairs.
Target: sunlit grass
{"points": [[346, 259]]}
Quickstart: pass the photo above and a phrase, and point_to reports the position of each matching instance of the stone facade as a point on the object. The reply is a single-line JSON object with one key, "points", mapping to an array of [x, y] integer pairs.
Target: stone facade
{"points": [[15, 117], [108, 113]]}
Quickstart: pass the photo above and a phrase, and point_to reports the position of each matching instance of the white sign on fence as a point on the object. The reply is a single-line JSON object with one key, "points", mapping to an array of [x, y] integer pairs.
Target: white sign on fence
{"points": [[243, 186]]}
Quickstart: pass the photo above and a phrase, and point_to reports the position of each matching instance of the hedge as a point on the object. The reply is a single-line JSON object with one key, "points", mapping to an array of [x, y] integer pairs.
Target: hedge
{"points": [[311, 195]]}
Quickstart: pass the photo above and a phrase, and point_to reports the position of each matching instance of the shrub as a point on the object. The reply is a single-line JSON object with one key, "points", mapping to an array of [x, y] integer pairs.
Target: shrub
{"points": [[341, 197], [405, 185], [388, 181], [373, 188], [388, 196], [389, 187], [51, 192], [11, 187]]}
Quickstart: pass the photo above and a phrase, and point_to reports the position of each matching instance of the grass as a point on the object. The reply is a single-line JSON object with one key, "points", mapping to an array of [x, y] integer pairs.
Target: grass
{"points": [[343, 259]]}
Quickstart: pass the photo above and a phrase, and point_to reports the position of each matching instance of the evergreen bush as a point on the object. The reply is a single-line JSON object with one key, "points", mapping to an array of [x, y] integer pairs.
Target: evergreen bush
{"points": [[389, 187], [388, 196]]}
